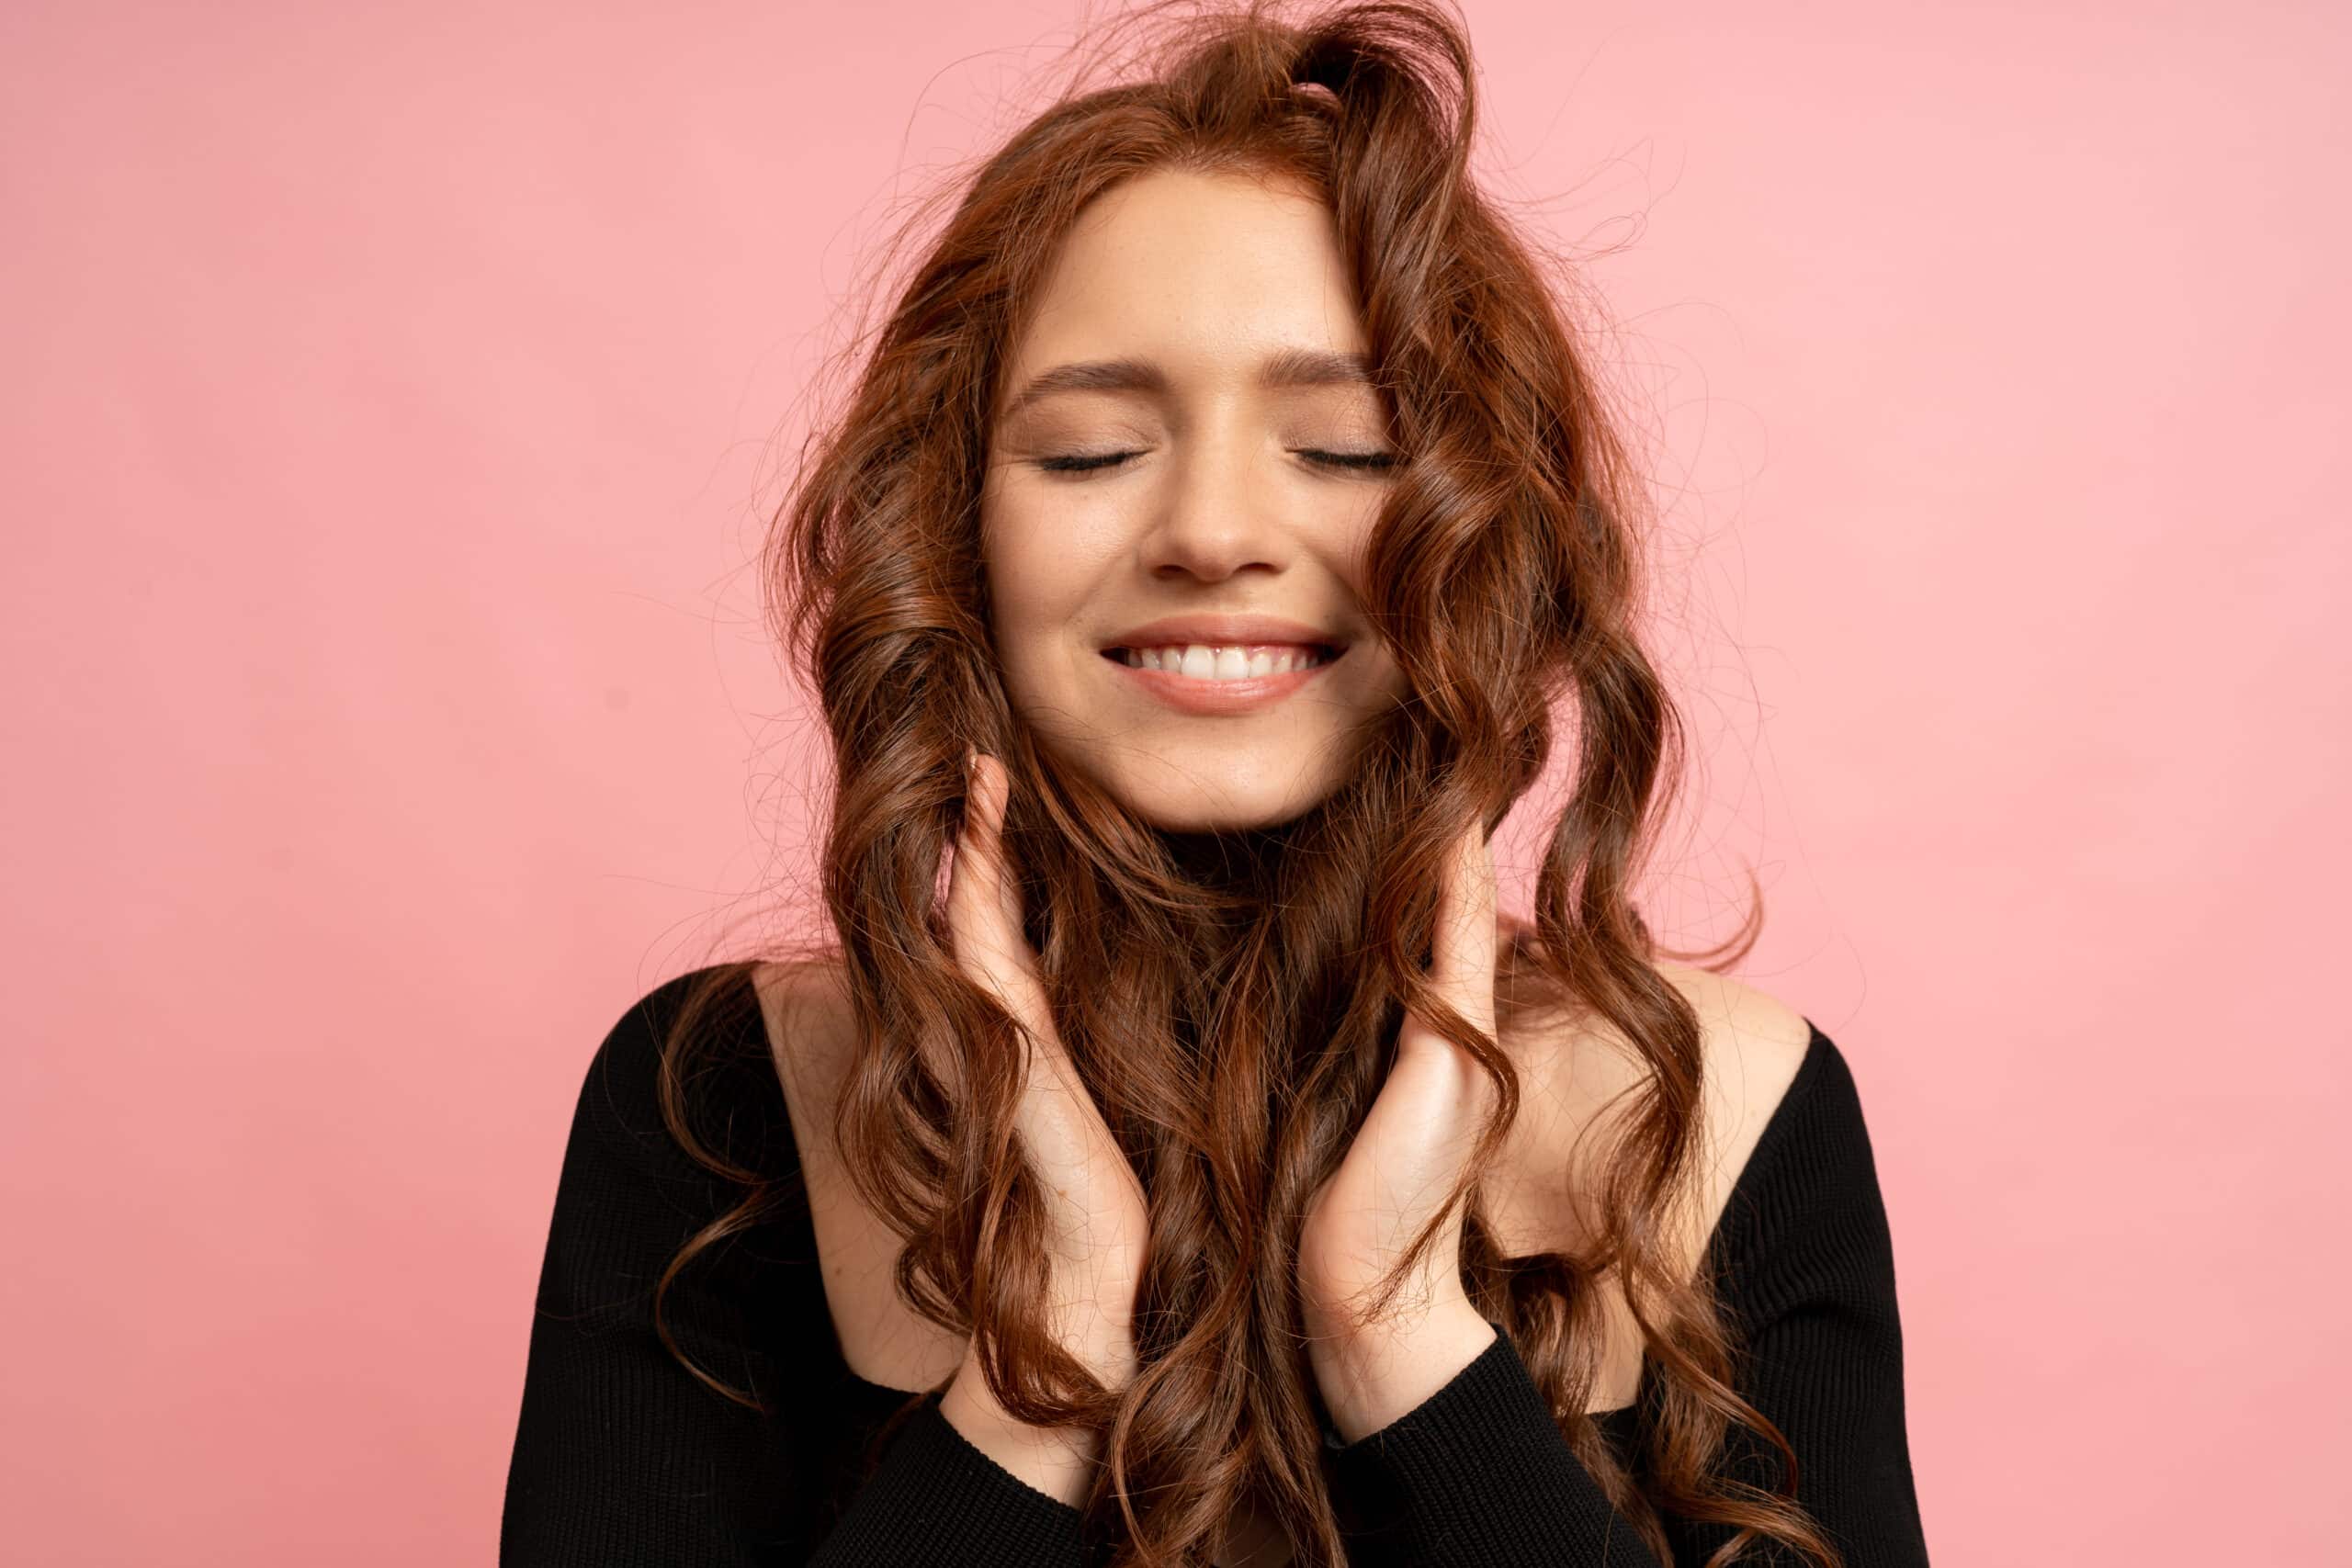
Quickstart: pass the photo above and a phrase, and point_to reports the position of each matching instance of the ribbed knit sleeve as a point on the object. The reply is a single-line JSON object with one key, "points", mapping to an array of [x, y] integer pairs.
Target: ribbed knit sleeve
{"points": [[623, 1459], [1478, 1474]]}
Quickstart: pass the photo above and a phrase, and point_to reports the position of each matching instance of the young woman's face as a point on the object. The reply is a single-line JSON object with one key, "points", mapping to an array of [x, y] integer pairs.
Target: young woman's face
{"points": [[1183, 435]]}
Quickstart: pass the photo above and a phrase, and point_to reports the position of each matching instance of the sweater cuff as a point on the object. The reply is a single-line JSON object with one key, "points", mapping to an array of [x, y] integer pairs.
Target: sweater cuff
{"points": [[936, 1497], [1476, 1473]]}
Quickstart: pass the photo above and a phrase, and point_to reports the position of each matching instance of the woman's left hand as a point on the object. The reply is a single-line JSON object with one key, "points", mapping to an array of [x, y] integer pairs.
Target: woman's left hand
{"points": [[1405, 1160]]}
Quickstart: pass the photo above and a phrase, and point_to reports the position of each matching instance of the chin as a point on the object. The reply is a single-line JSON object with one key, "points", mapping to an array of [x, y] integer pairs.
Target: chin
{"points": [[1195, 816], [1179, 799]]}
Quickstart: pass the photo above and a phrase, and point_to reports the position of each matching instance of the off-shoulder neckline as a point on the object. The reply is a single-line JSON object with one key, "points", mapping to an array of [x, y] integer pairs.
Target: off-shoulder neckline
{"points": [[1767, 1146]]}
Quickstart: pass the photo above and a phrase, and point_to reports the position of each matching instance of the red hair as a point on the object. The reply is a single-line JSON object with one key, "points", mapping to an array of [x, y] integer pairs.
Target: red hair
{"points": [[1231, 1000]]}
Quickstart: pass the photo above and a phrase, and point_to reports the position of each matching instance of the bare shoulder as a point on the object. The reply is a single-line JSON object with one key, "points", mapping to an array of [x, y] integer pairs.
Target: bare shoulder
{"points": [[811, 1033], [1753, 1043], [1579, 1076], [812, 1036], [1749, 1033]]}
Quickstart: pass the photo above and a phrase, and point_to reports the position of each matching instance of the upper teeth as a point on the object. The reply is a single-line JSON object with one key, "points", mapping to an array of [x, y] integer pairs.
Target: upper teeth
{"points": [[1204, 661]]}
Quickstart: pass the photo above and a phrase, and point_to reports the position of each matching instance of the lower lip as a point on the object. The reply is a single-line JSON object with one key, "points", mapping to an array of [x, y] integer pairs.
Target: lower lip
{"points": [[1188, 694]]}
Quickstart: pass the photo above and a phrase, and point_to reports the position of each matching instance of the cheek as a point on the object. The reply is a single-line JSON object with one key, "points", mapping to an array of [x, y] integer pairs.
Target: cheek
{"points": [[1048, 556], [1038, 592], [1387, 681], [1351, 535], [1024, 593]]}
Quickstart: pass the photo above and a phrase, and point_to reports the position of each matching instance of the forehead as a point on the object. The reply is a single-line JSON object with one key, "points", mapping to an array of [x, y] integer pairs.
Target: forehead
{"points": [[1206, 275]]}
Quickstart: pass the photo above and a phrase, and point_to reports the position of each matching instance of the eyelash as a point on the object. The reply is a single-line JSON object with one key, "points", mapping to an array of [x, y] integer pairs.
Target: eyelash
{"points": [[1366, 462]]}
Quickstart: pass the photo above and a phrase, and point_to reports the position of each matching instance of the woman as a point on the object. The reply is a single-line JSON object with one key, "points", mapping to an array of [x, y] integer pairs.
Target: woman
{"points": [[1202, 1177]]}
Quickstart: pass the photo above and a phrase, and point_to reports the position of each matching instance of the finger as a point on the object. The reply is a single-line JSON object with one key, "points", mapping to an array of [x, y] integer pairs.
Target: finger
{"points": [[997, 785], [1464, 962], [983, 913], [1063, 1116]]}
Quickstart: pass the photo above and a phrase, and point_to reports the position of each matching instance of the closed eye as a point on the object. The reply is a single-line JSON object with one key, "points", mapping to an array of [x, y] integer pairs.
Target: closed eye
{"points": [[1102, 462], [1084, 465], [1352, 460]]}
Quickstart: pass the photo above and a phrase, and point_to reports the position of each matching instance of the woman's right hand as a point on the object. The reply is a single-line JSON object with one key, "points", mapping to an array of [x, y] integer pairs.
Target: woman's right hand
{"points": [[1098, 1225]]}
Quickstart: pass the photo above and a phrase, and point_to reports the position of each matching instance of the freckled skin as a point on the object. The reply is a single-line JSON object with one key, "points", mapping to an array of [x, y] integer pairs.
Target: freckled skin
{"points": [[1226, 505]]}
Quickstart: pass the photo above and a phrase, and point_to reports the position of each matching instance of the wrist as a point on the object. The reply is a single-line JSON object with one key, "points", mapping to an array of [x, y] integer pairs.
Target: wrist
{"points": [[1370, 1378], [1057, 1461]]}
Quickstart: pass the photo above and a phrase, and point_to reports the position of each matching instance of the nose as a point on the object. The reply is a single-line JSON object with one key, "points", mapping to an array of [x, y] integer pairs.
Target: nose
{"points": [[1218, 514]]}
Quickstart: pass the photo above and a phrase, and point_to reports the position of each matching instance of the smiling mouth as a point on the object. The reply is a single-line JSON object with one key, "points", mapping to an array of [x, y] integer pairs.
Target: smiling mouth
{"points": [[1215, 663]]}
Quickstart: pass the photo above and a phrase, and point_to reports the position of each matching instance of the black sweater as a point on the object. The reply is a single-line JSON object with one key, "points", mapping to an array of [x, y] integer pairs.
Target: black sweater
{"points": [[624, 1460]]}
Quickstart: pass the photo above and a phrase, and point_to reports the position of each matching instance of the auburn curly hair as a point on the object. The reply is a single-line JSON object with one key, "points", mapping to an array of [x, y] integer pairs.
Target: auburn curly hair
{"points": [[1504, 573]]}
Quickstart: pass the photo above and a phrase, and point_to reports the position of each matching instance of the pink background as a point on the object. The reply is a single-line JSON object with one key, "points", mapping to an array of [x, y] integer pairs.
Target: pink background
{"points": [[393, 401]]}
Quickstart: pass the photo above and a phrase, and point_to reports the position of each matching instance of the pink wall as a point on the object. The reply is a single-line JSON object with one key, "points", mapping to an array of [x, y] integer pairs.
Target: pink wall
{"points": [[388, 430]]}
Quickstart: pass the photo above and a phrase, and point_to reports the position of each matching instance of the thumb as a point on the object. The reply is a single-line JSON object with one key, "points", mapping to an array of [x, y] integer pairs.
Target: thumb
{"points": [[984, 903]]}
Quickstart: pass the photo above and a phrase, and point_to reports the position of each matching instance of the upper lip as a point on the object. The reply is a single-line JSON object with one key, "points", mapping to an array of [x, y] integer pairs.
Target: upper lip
{"points": [[1224, 631]]}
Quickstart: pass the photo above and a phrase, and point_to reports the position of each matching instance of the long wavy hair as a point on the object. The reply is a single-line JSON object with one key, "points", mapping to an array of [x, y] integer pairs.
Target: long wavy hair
{"points": [[1233, 999]]}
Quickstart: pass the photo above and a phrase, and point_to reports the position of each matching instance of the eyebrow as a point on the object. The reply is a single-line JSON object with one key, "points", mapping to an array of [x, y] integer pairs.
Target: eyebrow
{"points": [[1285, 368]]}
